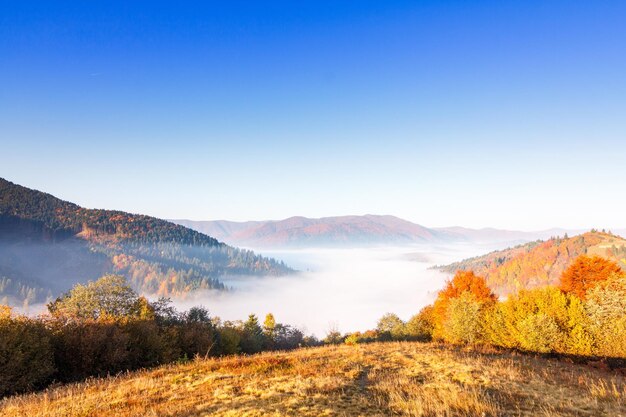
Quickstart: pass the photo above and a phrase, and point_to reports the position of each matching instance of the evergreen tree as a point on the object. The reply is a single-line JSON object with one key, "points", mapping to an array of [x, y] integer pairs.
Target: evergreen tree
{"points": [[252, 341]]}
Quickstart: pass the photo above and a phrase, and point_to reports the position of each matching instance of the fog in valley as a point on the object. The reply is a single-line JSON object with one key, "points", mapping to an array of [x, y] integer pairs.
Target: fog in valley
{"points": [[345, 289]]}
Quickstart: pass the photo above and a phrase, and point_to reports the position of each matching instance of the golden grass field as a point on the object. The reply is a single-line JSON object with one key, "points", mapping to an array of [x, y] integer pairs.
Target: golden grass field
{"points": [[400, 378]]}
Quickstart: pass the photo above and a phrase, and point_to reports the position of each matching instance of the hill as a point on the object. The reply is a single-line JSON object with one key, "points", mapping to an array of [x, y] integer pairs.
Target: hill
{"points": [[48, 244], [539, 263], [349, 231], [327, 231], [407, 378]]}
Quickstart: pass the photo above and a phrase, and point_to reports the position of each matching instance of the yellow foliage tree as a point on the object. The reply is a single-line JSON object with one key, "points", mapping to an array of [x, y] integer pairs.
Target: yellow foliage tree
{"points": [[463, 282]]}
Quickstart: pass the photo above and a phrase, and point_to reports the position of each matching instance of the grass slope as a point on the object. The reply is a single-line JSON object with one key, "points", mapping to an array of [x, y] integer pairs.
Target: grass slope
{"points": [[404, 378]]}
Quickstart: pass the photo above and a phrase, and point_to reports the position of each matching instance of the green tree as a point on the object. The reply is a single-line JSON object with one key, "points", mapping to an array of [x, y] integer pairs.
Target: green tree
{"points": [[391, 327], [252, 341], [108, 297]]}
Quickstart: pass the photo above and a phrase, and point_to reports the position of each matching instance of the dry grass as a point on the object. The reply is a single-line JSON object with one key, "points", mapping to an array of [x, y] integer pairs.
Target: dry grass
{"points": [[410, 379]]}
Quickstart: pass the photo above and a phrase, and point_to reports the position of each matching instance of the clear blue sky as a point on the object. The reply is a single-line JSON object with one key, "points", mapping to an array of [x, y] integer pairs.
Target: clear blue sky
{"points": [[506, 114]]}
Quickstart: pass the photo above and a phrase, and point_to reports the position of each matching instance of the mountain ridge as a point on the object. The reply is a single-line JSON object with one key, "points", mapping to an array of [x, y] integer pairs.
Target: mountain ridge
{"points": [[75, 244], [369, 229]]}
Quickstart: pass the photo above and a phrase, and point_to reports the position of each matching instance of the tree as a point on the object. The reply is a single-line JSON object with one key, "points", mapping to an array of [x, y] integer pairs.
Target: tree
{"points": [[464, 317], [606, 306], [420, 326], [586, 272], [252, 341], [269, 330], [333, 336], [196, 333], [390, 327], [26, 354], [198, 314], [539, 320], [108, 297], [462, 282]]}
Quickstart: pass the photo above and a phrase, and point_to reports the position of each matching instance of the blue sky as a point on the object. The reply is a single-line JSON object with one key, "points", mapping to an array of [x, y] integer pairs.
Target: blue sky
{"points": [[505, 114]]}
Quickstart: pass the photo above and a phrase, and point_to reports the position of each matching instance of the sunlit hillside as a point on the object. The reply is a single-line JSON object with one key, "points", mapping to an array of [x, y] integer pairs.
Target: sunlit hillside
{"points": [[73, 245], [406, 378], [540, 263]]}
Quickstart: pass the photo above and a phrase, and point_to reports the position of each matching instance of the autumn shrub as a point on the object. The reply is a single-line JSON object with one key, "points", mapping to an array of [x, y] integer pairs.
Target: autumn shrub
{"points": [[368, 336], [606, 307], [100, 347], [86, 348], [26, 355], [539, 333], [463, 322], [463, 282], [539, 320], [420, 326], [352, 339]]}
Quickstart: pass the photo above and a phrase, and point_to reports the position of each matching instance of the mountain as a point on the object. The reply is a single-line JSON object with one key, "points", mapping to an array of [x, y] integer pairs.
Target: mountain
{"points": [[327, 231], [47, 245], [539, 263], [350, 230]]}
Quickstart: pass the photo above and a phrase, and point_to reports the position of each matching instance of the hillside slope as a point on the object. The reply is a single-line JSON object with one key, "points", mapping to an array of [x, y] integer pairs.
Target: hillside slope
{"points": [[47, 245], [411, 379], [539, 263]]}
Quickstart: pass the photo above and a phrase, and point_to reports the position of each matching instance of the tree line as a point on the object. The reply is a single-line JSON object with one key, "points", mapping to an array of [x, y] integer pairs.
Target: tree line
{"points": [[105, 327], [585, 314]]}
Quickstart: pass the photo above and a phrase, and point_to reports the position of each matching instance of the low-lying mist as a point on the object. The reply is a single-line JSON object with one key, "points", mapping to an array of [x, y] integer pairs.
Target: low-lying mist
{"points": [[345, 289]]}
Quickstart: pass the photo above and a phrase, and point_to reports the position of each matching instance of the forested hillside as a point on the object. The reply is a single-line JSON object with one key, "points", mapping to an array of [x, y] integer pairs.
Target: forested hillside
{"points": [[48, 244], [539, 263]]}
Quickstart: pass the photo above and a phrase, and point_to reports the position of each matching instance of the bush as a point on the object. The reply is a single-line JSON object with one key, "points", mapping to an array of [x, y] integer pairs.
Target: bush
{"points": [[606, 307], [463, 323], [539, 333], [352, 339], [26, 355], [368, 336], [391, 327], [420, 326], [229, 340], [463, 282], [195, 334], [98, 347], [540, 320]]}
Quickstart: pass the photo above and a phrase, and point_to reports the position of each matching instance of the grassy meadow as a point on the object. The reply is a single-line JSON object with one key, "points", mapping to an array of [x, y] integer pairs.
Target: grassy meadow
{"points": [[395, 378]]}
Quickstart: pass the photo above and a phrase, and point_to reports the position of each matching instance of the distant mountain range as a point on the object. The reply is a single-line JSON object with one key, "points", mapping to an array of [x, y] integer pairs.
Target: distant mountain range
{"points": [[537, 264], [47, 245], [350, 231]]}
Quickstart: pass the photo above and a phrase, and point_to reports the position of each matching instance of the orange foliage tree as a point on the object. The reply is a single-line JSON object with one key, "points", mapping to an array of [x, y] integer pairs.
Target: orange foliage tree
{"points": [[586, 272], [463, 282]]}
